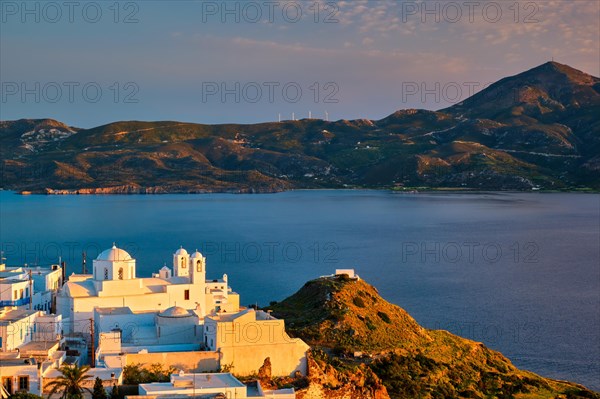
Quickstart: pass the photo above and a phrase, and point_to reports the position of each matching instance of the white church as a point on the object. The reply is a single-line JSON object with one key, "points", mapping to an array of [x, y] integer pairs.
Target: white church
{"points": [[114, 284], [176, 317]]}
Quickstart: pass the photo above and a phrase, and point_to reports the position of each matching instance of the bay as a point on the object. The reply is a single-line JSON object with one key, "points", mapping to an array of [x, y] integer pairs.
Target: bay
{"points": [[517, 271]]}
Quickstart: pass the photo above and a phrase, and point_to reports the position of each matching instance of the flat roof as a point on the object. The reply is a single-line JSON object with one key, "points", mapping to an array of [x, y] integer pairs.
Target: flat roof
{"points": [[227, 317], [10, 273], [16, 315], [104, 374], [17, 362], [115, 310], [38, 346], [195, 381], [30, 267], [13, 280]]}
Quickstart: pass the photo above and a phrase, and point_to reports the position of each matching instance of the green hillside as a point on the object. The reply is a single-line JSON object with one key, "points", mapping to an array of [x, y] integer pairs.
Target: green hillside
{"points": [[340, 316], [535, 130]]}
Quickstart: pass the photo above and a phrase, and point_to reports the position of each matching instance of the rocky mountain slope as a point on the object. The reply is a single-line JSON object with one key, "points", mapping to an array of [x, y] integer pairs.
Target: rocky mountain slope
{"points": [[398, 358], [538, 129]]}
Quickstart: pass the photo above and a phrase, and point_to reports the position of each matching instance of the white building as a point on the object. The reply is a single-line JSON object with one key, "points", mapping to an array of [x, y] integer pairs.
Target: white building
{"points": [[114, 284], [245, 339], [19, 374], [20, 327], [16, 327], [223, 385], [22, 374], [349, 272], [179, 338], [30, 339], [109, 377], [29, 343], [33, 287], [119, 331], [178, 319]]}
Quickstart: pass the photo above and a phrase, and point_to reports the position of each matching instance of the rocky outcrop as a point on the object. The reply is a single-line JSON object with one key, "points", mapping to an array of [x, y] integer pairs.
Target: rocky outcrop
{"points": [[325, 382]]}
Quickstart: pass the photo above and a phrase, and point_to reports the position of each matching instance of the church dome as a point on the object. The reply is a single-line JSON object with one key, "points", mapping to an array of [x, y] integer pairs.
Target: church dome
{"points": [[114, 254], [175, 311], [196, 255], [181, 252]]}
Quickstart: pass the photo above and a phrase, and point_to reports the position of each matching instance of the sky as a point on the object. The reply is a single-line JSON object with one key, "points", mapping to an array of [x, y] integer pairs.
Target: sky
{"points": [[88, 63]]}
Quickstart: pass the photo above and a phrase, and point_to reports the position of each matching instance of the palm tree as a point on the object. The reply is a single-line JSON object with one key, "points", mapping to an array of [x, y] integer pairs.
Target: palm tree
{"points": [[70, 382]]}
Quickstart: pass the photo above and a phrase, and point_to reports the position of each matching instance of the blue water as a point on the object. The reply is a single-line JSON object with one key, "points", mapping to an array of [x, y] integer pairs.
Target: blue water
{"points": [[520, 272]]}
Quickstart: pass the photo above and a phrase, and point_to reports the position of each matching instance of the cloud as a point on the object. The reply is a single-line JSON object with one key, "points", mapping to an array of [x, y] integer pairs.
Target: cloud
{"points": [[570, 25]]}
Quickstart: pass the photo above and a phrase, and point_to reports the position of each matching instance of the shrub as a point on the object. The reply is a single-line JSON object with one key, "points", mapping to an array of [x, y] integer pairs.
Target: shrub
{"points": [[99, 392], [114, 393], [24, 395], [134, 374], [370, 324], [358, 301], [384, 316]]}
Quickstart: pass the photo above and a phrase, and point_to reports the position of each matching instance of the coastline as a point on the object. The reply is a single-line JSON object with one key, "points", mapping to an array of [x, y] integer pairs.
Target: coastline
{"points": [[130, 190]]}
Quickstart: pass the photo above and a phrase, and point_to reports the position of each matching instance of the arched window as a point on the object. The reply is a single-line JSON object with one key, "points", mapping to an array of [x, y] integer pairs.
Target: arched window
{"points": [[182, 263], [120, 273], [106, 273], [198, 266]]}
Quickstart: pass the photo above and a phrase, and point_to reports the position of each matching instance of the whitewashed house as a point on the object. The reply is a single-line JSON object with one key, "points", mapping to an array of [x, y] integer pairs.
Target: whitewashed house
{"points": [[29, 287]]}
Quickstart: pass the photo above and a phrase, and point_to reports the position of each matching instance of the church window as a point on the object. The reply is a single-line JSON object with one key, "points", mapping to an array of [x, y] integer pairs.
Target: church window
{"points": [[198, 266], [182, 263], [105, 273], [186, 295], [120, 273]]}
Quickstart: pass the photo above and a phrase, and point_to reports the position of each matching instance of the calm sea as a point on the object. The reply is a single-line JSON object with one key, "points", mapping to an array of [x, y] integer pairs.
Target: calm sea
{"points": [[520, 272]]}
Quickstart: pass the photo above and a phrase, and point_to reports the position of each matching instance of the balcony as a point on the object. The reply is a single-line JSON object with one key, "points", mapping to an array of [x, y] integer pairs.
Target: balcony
{"points": [[17, 302]]}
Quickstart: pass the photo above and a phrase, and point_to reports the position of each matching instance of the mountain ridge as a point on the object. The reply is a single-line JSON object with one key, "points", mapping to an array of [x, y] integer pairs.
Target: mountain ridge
{"points": [[534, 130]]}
